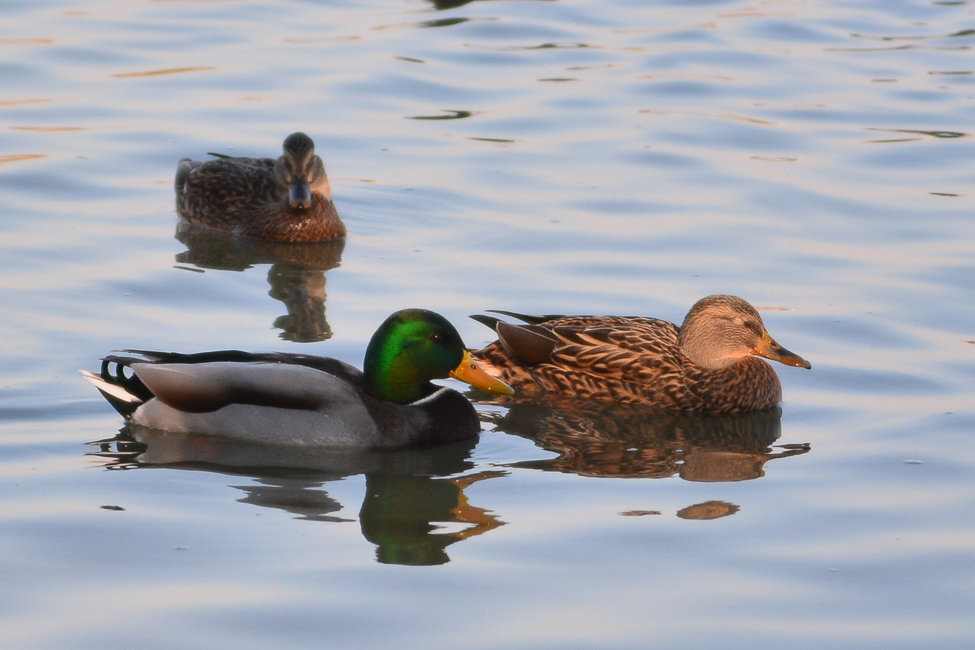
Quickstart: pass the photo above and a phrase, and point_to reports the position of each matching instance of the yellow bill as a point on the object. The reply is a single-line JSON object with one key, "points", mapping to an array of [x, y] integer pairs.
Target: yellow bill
{"points": [[468, 371], [769, 349]]}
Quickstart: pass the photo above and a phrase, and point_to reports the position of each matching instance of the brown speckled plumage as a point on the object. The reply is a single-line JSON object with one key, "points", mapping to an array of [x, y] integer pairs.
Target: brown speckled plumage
{"points": [[705, 366], [283, 199]]}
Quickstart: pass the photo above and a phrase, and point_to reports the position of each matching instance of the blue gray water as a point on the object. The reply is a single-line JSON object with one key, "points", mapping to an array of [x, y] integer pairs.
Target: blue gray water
{"points": [[575, 156]]}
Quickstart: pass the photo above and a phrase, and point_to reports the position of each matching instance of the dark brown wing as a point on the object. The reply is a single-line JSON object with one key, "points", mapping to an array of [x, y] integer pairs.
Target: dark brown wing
{"points": [[230, 182], [218, 192], [628, 350], [627, 360]]}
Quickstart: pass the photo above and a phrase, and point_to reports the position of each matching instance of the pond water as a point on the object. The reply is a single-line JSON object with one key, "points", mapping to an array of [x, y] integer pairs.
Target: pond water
{"points": [[572, 156]]}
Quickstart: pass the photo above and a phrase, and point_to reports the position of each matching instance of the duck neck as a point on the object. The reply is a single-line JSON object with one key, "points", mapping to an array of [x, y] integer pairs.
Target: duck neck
{"points": [[390, 375], [396, 382], [701, 352]]}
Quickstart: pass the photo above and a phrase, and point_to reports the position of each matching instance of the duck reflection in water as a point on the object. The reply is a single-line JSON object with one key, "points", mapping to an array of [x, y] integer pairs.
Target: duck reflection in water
{"points": [[414, 505], [614, 441], [626, 442], [296, 276]]}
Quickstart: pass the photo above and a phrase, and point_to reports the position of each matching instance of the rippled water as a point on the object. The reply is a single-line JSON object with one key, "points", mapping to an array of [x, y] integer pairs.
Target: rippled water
{"points": [[580, 157]]}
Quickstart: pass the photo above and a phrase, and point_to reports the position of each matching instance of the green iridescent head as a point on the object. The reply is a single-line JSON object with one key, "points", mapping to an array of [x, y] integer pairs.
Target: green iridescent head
{"points": [[412, 347]]}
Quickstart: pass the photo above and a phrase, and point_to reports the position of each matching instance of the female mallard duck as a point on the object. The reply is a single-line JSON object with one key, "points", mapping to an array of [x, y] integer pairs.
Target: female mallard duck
{"points": [[302, 400], [704, 366], [284, 199]]}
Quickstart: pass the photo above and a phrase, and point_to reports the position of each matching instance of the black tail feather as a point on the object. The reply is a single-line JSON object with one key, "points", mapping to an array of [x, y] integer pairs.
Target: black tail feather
{"points": [[526, 318], [490, 321], [114, 372]]}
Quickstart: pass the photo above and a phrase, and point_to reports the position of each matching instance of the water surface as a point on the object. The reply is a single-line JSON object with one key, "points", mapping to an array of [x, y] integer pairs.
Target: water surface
{"points": [[570, 156]]}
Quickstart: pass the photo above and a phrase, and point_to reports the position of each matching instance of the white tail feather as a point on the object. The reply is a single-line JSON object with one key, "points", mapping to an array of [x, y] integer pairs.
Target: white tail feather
{"points": [[114, 390]]}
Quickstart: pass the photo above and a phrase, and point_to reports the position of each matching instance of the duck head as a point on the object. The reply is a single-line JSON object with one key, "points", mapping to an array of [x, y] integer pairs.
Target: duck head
{"points": [[720, 330], [412, 347], [301, 172]]}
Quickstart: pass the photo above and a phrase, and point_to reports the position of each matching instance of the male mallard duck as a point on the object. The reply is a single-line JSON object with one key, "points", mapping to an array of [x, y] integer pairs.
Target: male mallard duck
{"points": [[296, 399], [704, 366], [285, 199]]}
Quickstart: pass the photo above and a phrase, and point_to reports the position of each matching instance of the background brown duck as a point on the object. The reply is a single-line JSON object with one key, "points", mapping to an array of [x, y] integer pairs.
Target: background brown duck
{"points": [[707, 365], [284, 199]]}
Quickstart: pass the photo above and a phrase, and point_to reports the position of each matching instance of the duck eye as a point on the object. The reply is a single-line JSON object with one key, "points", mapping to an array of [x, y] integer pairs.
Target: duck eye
{"points": [[436, 337]]}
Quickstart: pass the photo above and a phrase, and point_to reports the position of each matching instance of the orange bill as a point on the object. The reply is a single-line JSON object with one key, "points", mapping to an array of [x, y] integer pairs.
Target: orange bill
{"points": [[769, 349], [468, 371]]}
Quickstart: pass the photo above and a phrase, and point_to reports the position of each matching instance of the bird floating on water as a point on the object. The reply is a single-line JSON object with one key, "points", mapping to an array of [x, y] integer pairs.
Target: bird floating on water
{"points": [[285, 199], [707, 365], [303, 400]]}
